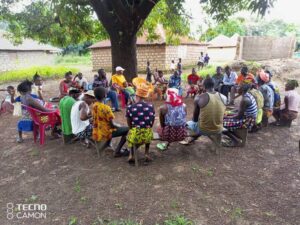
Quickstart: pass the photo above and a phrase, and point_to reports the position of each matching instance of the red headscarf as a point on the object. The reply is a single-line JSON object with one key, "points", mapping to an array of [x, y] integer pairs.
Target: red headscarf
{"points": [[173, 98]]}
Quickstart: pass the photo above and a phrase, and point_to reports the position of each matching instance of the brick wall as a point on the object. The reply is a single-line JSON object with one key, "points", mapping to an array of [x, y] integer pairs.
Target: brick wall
{"points": [[160, 56], [101, 58], [12, 60], [263, 48]]}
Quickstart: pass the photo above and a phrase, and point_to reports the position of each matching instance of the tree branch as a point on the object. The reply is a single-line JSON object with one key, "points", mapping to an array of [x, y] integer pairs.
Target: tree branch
{"points": [[104, 14], [121, 11], [145, 7]]}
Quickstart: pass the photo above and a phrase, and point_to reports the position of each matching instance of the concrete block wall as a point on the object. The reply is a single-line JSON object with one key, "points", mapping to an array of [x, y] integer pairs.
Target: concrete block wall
{"points": [[101, 58], [12, 60], [264, 48], [160, 56], [188, 53], [156, 54]]}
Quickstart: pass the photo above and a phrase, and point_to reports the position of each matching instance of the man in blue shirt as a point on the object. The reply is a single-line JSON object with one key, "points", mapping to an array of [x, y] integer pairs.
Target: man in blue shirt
{"points": [[229, 80]]}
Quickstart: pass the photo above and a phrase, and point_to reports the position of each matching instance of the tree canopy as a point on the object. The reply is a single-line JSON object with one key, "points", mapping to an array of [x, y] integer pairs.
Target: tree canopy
{"points": [[252, 27], [64, 22]]}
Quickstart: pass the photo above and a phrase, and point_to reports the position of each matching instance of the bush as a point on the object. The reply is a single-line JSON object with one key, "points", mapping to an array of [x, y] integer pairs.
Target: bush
{"points": [[45, 71], [209, 70]]}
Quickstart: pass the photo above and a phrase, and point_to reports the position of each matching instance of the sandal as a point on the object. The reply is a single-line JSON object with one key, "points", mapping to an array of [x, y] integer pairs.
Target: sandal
{"points": [[162, 146]]}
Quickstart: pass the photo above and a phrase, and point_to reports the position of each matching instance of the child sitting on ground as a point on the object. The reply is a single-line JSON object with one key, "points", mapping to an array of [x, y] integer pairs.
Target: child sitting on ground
{"points": [[140, 119], [7, 104]]}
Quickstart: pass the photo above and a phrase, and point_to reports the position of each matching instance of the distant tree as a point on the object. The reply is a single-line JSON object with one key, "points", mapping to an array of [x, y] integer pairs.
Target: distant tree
{"points": [[64, 22], [227, 28]]}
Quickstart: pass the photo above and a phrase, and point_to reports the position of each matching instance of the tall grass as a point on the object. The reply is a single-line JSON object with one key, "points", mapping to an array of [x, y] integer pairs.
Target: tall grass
{"points": [[73, 60], [45, 71]]}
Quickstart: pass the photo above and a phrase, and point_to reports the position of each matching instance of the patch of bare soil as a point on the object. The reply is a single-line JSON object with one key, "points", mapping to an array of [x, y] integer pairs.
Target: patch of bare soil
{"points": [[258, 184]]}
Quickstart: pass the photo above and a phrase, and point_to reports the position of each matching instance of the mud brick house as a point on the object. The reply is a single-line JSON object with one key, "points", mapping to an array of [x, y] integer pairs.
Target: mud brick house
{"points": [[28, 53], [158, 52]]}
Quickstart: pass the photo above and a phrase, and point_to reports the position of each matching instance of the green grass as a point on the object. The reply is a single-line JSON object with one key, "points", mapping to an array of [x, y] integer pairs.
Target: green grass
{"points": [[209, 70], [73, 60], [178, 220], [45, 71]]}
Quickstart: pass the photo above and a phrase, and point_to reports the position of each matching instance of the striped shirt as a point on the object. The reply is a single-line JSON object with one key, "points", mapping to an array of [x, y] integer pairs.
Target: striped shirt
{"points": [[251, 110]]}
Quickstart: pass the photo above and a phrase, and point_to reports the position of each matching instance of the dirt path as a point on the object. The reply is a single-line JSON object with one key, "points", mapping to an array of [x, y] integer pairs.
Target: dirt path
{"points": [[259, 184]]}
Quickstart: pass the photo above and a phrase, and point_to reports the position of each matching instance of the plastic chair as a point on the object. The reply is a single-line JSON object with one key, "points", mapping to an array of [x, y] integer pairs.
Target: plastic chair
{"points": [[41, 120], [123, 99]]}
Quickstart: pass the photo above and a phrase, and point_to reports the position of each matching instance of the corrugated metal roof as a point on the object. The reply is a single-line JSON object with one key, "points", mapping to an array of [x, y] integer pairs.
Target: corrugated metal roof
{"points": [[26, 45]]}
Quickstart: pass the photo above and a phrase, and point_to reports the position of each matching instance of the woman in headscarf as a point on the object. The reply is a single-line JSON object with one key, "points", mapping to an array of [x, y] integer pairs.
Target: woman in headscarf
{"points": [[289, 109], [172, 118], [262, 81], [140, 119]]}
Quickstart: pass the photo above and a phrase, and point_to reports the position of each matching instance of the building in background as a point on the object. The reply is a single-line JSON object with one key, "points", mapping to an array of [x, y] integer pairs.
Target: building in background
{"points": [[29, 53], [158, 52], [222, 48]]}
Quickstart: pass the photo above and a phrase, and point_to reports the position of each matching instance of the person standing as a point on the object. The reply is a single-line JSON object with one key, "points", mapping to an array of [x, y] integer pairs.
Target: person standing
{"points": [[172, 66], [200, 63], [179, 66], [148, 72]]}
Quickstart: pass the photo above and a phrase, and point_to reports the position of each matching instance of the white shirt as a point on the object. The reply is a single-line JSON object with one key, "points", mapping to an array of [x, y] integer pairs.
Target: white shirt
{"points": [[81, 82], [77, 124], [172, 66]]}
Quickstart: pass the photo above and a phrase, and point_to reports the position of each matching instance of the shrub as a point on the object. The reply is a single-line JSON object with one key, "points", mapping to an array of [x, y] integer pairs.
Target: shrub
{"points": [[45, 71]]}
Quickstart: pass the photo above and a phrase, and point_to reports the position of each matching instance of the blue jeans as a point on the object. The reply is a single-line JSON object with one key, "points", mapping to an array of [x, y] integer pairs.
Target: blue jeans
{"points": [[113, 96]]}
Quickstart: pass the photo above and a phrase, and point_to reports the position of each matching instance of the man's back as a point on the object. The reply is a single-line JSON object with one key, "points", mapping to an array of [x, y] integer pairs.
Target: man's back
{"points": [[212, 113]]}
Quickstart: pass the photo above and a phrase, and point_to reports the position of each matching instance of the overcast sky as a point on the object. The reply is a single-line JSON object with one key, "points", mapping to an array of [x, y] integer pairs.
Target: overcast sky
{"points": [[287, 10]]}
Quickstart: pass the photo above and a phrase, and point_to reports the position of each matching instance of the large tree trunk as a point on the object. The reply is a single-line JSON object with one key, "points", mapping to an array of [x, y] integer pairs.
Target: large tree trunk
{"points": [[123, 52], [122, 20]]}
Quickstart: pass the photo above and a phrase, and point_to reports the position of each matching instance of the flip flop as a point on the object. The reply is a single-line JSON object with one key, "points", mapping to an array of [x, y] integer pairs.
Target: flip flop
{"points": [[162, 146]]}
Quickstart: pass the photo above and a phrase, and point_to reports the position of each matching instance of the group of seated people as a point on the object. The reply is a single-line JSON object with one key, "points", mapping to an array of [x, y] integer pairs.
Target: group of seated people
{"points": [[86, 114]]}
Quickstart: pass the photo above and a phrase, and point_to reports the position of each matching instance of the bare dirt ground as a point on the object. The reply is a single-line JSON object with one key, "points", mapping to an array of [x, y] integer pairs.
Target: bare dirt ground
{"points": [[258, 184]]}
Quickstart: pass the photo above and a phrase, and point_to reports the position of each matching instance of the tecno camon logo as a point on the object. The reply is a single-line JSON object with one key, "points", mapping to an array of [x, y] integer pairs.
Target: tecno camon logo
{"points": [[10, 211], [26, 211]]}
